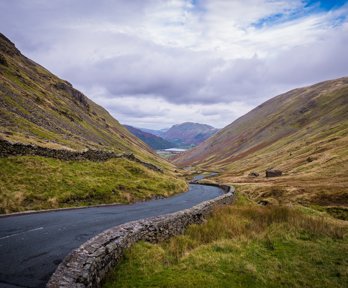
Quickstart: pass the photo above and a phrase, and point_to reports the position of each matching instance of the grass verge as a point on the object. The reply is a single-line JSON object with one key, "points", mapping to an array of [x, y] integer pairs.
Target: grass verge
{"points": [[244, 245], [32, 183]]}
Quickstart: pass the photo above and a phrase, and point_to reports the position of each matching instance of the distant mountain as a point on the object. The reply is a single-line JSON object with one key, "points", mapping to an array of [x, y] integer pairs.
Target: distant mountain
{"points": [[189, 134], [155, 142], [159, 132]]}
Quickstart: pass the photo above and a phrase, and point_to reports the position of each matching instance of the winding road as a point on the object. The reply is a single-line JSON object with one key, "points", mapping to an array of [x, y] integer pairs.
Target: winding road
{"points": [[32, 245]]}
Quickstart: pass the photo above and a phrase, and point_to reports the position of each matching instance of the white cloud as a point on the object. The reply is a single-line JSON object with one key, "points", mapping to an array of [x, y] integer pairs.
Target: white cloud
{"points": [[155, 63]]}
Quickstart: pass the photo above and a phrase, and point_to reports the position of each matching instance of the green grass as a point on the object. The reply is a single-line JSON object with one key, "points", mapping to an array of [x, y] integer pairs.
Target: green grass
{"points": [[32, 182], [243, 246]]}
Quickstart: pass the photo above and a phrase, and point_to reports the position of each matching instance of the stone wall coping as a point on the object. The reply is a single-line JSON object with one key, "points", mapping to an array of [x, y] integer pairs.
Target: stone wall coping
{"points": [[87, 265]]}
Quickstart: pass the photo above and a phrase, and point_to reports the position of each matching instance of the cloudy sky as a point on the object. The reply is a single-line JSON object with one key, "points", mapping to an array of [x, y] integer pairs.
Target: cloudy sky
{"points": [[154, 63]]}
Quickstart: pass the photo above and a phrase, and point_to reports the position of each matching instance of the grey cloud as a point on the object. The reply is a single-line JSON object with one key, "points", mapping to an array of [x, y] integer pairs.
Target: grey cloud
{"points": [[179, 76], [173, 74], [60, 34], [320, 61], [38, 24], [131, 110]]}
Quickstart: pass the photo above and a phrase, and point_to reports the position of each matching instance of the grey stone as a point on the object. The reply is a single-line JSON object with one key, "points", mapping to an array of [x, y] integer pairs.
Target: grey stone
{"points": [[310, 159], [254, 174], [273, 172]]}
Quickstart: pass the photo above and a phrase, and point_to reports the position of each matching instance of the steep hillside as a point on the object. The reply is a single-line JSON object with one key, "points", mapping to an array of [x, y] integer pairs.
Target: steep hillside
{"points": [[189, 134], [155, 142], [38, 108], [303, 132]]}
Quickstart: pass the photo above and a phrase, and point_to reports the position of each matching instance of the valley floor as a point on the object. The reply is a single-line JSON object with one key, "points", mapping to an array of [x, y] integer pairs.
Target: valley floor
{"points": [[323, 194]]}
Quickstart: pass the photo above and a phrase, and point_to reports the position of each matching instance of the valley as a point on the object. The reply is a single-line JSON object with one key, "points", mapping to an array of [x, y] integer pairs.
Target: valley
{"points": [[170, 153], [180, 136], [293, 224], [167, 199]]}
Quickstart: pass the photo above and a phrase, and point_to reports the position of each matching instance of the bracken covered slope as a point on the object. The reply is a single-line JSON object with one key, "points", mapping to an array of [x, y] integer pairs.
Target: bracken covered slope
{"points": [[303, 132], [311, 109]]}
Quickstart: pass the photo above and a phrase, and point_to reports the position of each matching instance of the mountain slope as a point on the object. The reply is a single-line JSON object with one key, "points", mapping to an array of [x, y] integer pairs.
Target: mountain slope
{"points": [[189, 134], [155, 142], [303, 132], [38, 108]]}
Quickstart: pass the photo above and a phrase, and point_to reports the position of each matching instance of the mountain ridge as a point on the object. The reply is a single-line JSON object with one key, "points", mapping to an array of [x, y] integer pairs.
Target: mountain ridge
{"points": [[303, 132], [238, 136], [154, 141], [189, 134]]}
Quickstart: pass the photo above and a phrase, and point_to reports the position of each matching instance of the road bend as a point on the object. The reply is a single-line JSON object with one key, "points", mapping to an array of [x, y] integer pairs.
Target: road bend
{"points": [[33, 245]]}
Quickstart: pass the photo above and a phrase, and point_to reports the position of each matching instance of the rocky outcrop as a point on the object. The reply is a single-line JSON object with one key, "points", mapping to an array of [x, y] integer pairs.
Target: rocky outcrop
{"points": [[78, 97], [88, 265], [17, 149], [254, 174], [273, 173], [7, 47], [3, 60]]}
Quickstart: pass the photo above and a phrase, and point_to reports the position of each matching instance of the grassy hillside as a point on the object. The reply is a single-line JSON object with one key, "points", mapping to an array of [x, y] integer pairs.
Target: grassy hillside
{"points": [[39, 108], [303, 132], [244, 245], [36, 107], [31, 182]]}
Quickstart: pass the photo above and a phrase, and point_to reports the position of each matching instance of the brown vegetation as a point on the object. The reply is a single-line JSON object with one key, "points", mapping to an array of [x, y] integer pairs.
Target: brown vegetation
{"points": [[303, 133]]}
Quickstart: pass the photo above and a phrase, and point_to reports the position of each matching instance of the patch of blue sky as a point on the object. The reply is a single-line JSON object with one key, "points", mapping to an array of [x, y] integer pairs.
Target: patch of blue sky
{"points": [[339, 20], [309, 7], [197, 6], [325, 5], [273, 20], [277, 18]]}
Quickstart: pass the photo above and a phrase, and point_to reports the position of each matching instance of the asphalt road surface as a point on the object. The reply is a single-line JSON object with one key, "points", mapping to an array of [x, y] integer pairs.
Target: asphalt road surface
{"points": [[32, 246]]}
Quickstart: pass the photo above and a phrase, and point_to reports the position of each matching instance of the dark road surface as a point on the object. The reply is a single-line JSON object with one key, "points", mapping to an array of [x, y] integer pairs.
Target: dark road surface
{"points": [[32, 246]]}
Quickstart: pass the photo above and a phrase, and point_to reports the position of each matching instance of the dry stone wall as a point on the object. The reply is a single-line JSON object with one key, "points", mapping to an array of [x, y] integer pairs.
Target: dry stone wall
{"points": [[87, 265], [18, 149]]}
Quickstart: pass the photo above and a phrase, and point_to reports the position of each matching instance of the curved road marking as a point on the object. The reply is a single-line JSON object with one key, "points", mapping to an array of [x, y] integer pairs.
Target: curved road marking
{"points": [[16, 234]]}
